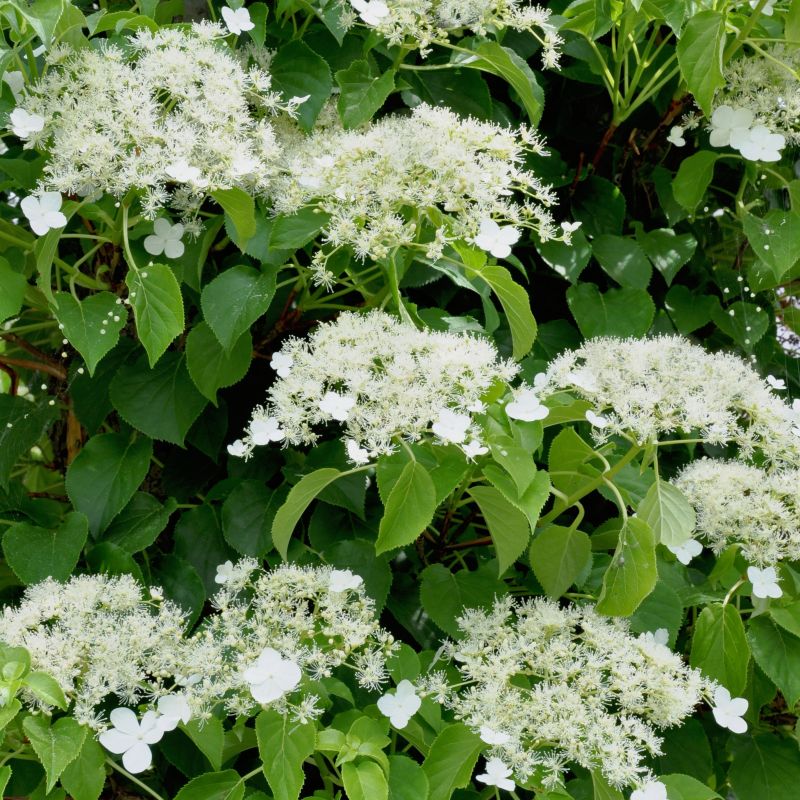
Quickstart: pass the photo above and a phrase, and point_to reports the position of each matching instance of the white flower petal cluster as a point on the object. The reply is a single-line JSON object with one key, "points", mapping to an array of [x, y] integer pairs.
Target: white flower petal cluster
{"points": [[274, 629], [431, 177], [131, 738], [97, 636], [425, 22], [377, 378], [175, 114], [401, 704], [736, 503], [665, 387], [767, 91], [735, 127], [547, 686]]}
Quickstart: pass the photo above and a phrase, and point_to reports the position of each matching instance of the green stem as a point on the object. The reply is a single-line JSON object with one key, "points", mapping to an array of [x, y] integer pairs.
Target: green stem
{"points": [[731, 49], [133, 779]]}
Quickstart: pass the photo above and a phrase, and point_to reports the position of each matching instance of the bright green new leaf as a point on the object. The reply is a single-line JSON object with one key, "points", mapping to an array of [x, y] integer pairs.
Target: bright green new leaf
{"points": [[209, 737], [719, 647], [46, 689], [407, 780], [296, 230], [283, 745], [409, 508], [558, 556], [685, 787], [364, 780], [667, 511], [241, 209]]}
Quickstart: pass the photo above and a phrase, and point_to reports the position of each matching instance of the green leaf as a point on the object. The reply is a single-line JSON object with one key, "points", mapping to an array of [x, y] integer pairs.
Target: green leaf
{"points": [[5, 776], [283, 746], [294, 231], [667, 511], [209, 737], [361, 94], [234, 300], [364, 780], [247, 516], [451, 760], [788, 617], [42, 16], [662, 608], [92, 325], [35, 553], [774, 239], [407, 780], [12, 290], [241, 209], [504, 62], [157, 308], [138, 525], [700, 56], [745, 323], [508, 526], [684, 787], [225, 785], [85, 777], [694, 175], [619, 312], [297, 71], [558, 556], [300, 497], [623, 259], [689, 310], [568, 260], [632, 573], [46, 689], [22, 424], [210, 366], [602, 789], [409, 508], [765, 767], [667, 250], [777, 652], [104, 475], [719, 647], [56, 745]]}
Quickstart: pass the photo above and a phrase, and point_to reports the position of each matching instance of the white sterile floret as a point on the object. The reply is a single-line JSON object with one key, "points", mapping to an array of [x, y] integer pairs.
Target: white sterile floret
{"points": [[759, 144], [172, 709], [652, 790], [282, 364], [24, 124], [450, 426], [344, 579], [765, 582], [264, 430], [727, 121], [371, 11], [686, 551], [497, 774], [174, 114], [548, 686], [666, 387], [473, 448], [382, 380], [131, 738], [237, 21], [43, 212], [166, 239], [676, 136], [738, 503], [99, 637], [527, 406], [596, 420], [495, 239], [570, 227], [400, 705], [728, 711], [224, 572], [238, 449], [776, 383], [417, 181], [272, 676]]}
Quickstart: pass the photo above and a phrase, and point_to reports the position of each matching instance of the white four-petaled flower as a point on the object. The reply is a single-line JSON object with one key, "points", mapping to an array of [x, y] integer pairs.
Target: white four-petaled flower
{"points": [[776, 383], [165, 238], [676, 136], [400, 706], [728, 711], [596, 420], [497, 774], [371, 11], [23, 123], [182, 172], [496, 240], [172, 709], [765, 582], [237, 21], [43, 212], [131, 738], [237, 448], [224, 572], [337, 405], [686, 551], [344, 579], [272, 676], [652, 790], [527, 407], [570, 227], [727, 121], [758, 143], [264, 430], [450, 426], [358, 455], [474, 448], [282, 364]]}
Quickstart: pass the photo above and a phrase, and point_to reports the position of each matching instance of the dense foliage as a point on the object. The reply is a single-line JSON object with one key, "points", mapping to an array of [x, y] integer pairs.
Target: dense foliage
{"points": [[396, 400]]}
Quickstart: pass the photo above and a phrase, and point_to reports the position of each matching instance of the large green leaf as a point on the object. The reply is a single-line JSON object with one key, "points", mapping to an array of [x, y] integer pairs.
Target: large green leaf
{"points": [[777, 652], [105, 474], [558, 556], [22, 424], [157, 308], [283, 745], [694, 175], [56, 745], [700, 56], [774, 239], [36, 553], [85, 777], [451, 760], [667, 250], [138, 525], [297, 71], [765, 767], [247, 516], [210, 366], [361, 94], [667, 511], [623, 259], [364, 780], [225, 785], [240, 207], [508, 526], [409, 508], [619, 312], [719, 647]]}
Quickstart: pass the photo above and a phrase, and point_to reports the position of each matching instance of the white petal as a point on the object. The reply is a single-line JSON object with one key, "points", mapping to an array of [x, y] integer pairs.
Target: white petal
{"points": [[116, 741], [173, 248], [138, 758], [266, 692], [125, 720], [154, 245], [162, 227]]}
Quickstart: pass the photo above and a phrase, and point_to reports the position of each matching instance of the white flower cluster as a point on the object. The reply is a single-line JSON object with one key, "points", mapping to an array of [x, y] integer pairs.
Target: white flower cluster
{"points": [[382, 379], [426, 22], [738, 128], [431, 177], [96, 636], [741, 504], [272, 629], [548, 686], [651, 388], [174, 114]]}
